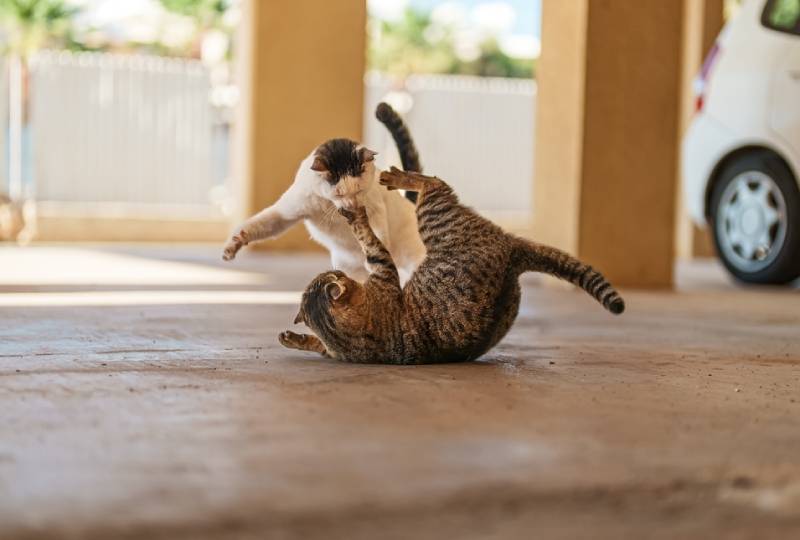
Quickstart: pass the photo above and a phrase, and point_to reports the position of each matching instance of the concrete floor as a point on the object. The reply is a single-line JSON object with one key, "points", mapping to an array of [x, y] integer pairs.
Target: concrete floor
{"points": [[143, 394]]}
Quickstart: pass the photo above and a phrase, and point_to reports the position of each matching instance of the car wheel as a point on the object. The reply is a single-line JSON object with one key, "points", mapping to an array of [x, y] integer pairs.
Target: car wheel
{"points": [[755, 210]]}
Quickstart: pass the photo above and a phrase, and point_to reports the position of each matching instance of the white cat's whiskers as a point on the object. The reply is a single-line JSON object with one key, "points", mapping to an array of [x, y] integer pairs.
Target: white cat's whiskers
{"points": [[329, 214]]}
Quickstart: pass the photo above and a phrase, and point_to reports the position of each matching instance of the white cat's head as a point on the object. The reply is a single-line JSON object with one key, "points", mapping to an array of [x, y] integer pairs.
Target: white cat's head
{"points": [[345, 170]]}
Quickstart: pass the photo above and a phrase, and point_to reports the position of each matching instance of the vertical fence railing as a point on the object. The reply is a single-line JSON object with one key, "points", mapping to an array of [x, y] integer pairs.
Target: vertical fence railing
{"points": [[4, 98], [476, 132], [121, 129], [141, 131]]}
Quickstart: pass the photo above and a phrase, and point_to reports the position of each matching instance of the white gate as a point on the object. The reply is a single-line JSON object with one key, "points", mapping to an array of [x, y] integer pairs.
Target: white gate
{"points": [[121, 129], [477, 133]]}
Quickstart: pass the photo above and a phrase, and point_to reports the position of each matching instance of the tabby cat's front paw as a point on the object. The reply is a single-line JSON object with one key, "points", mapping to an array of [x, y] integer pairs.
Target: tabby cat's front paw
{"points": [[356, 214], [291, 340], [391, 179], [394, 178], [234, 245]]}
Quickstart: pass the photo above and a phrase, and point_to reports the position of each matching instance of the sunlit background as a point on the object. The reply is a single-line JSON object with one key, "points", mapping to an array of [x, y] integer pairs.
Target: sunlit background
{"points": [[119, 114]]}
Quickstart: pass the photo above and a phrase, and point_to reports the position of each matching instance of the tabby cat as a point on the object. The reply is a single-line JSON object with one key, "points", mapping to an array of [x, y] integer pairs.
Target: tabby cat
{"points": [[458, 304]]}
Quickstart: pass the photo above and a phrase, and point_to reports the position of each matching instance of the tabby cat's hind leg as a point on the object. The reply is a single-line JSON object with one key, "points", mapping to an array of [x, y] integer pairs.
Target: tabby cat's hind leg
{"points": [[302, 342]]}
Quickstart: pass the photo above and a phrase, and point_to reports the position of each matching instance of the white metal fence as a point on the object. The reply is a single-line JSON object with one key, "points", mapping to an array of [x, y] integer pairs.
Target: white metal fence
{"points": [[121, 129], [141, 132], [477, 133]]}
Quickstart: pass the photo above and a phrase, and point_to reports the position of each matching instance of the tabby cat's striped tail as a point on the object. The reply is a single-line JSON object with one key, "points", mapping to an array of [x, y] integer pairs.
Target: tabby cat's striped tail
{"points": [[540, 258], [402, 138]]}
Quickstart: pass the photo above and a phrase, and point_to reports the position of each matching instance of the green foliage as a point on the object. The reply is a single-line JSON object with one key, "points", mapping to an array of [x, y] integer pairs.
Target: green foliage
{"points": [[401, 48], [207, 13], [415, 44], [784, 14], [493, 62], [31, 24]]}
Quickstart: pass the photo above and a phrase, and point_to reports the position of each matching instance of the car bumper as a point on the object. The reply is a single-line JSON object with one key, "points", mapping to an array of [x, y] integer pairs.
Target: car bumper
{"points": [[704, 145]]}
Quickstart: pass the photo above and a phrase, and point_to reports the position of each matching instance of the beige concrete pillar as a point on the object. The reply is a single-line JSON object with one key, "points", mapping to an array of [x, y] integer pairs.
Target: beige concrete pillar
{"points": [[703, 20], [607, 135], [301, 73]]}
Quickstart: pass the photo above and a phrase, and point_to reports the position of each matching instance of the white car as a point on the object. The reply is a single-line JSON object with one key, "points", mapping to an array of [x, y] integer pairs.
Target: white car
{"points": [[741, 155]]}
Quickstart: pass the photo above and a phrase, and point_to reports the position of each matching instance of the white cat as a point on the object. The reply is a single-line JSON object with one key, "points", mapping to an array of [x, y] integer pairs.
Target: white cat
{"points": [[342, 173]]}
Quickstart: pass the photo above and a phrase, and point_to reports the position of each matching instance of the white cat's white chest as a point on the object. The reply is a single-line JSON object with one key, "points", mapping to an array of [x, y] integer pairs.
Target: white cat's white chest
{"points": [[332, 232]]}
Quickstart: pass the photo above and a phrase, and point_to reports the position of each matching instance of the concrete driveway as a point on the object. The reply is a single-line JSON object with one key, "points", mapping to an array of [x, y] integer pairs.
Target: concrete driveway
{"points": [[143, 394]]}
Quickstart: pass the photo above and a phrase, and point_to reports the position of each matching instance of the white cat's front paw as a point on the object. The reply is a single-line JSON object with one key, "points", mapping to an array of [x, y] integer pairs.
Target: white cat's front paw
{"points": [[234, 245]]}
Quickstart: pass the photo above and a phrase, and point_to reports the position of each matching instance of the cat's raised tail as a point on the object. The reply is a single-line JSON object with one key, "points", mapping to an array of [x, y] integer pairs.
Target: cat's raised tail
{"points": [[535, 257], [409, 156]]}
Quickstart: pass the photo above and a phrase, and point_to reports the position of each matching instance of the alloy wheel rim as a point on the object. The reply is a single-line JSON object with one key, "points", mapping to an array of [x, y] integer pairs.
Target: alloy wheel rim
{"points": [[751, 221]]}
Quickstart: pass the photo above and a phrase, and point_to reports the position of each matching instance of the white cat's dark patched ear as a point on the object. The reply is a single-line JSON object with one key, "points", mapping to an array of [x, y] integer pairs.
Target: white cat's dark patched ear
{"points": [[319, 165], [335, 290], [368, 155]]}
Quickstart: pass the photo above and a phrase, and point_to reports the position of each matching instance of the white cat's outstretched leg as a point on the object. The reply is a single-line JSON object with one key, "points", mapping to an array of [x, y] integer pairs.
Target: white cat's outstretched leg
{"points": [[270, 222], [266, 224], [237, 242]]}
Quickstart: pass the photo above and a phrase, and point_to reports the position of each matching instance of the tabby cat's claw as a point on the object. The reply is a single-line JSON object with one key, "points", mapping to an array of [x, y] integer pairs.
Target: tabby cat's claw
{"points": [[386, 182], [353, 215], [388, 178], [291, 340], [349, 215], [394, 178]]}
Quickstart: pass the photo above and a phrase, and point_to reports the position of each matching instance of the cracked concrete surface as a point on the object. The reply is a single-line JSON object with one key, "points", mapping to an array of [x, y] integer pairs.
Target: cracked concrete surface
{"points": [[178, 415]]}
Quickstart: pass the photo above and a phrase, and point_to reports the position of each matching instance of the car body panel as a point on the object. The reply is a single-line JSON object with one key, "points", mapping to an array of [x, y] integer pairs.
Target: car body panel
{"points": [[786, 94], [750, 100]]}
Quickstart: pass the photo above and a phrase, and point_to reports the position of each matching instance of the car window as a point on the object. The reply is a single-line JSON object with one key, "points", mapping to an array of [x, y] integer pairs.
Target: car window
{"points": [[782, 15]]}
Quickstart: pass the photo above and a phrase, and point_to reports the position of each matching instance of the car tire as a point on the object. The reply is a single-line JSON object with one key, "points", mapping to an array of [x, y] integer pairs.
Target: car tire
{"points": [[751, 192]]}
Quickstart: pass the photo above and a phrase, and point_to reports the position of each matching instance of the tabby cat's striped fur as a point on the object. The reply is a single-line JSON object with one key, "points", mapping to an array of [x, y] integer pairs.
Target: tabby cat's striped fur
{"points": [[458, 304]]}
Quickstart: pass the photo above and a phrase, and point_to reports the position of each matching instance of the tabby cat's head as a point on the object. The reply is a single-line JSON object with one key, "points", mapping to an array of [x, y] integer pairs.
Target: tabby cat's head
{"points": [[332, 305], [345, 168]]}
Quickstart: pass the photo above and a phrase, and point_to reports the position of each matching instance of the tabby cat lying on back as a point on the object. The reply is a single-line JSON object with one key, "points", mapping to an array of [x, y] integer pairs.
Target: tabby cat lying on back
{"points": [[458, 304]]}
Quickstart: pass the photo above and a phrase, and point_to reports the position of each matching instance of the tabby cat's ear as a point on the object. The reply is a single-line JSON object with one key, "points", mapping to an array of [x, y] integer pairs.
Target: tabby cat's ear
{"points": [[299, 317], [319, 165], [335, 290], [367, 155]]}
